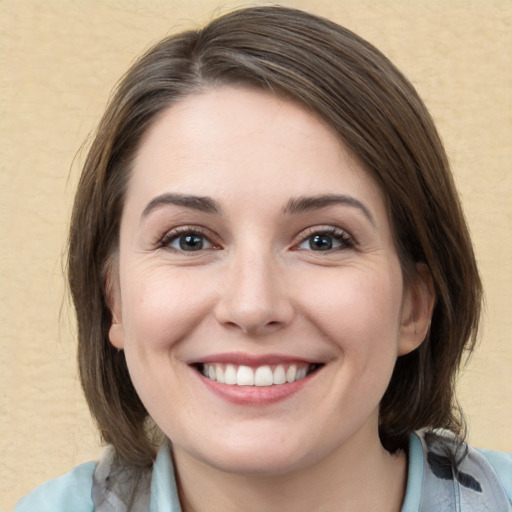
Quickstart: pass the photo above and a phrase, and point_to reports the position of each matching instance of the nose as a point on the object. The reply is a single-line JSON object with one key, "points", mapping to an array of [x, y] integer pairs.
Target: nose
{"points": [[254, 297]]}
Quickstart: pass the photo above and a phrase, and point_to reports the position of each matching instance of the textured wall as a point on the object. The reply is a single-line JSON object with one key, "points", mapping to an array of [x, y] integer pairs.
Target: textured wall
{"points": [[58, 62]]}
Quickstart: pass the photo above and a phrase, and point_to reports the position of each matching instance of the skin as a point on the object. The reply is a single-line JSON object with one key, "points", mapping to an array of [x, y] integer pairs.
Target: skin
{"points": [[258, 287]]}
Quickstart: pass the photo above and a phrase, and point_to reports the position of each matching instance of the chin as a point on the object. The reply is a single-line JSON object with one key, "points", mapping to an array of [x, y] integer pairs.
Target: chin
{"points": [[252, 457], [261, 464]]}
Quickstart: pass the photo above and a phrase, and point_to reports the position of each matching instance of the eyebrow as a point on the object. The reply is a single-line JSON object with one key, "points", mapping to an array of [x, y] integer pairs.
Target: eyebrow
{"points": [[203, 204], [306, 203], [295, 205]]}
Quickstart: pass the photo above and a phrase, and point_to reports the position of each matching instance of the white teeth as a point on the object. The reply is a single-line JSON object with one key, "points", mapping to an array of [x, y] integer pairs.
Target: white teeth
{"points": [[263, 376], [279, 375], [301, 373], [291, 373], [219, 373], [247, 376], [230, 374]]}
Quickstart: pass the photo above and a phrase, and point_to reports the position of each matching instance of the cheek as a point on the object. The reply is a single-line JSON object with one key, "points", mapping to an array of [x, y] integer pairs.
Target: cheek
{"points": [[359, 310], [161, 307]]}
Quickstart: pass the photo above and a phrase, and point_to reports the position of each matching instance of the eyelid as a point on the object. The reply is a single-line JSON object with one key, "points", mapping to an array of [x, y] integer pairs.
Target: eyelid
{"points": [[170, 235], [348, 241]]}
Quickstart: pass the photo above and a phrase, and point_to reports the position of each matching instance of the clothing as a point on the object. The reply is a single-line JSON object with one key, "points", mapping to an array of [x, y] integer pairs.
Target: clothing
{"points": [[483, 483]]}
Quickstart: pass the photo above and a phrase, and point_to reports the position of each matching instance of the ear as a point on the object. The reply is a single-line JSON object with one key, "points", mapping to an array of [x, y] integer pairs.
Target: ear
{"points": [[417, 307], [113, 296]]}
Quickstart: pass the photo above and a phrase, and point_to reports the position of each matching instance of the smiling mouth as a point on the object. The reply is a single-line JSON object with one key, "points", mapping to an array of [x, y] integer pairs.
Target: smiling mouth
{"points": [[260, 376]]}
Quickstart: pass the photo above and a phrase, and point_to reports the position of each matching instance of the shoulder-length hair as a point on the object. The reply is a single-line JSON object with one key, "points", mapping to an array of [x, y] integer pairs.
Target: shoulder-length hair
{"points": [[374, 110]]}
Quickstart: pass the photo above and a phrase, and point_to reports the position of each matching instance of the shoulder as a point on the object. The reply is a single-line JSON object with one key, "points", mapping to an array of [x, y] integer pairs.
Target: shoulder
{"points": [[464, 477], [71, 491], [502, 465], [108, 485]]}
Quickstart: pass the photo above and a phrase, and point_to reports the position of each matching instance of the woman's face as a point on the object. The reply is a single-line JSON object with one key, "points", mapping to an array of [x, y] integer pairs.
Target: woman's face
{"points": [[257, 294]]}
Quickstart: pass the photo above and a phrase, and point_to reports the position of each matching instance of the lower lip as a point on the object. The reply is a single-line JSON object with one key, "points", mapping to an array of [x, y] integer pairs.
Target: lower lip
{"points": [[256, 395]]}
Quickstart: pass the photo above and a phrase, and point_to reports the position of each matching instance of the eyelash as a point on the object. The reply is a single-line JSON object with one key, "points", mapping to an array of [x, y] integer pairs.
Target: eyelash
{"points": [[340, 237], [177, 233]]}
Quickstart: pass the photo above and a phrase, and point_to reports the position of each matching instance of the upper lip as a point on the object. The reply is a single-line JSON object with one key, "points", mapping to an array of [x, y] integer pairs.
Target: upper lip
{"points": [[238, 358]]}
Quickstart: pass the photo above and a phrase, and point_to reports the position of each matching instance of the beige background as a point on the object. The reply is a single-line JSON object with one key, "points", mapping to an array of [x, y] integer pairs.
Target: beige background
{"points": [[60, 59]]}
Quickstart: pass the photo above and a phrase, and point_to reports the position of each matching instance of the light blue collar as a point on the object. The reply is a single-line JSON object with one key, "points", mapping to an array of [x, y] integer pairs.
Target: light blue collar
{"points": [[164, 492]]}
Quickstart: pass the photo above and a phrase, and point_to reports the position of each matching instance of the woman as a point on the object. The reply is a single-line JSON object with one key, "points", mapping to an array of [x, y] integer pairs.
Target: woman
{"points": [[274, 284]]}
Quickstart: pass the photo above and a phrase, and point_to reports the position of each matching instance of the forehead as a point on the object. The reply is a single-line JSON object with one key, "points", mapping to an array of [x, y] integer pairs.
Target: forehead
{"points": [[247, 142], [220, 120]]}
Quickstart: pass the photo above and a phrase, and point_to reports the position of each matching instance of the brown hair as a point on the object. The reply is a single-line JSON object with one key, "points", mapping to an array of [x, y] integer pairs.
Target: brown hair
{"points": [[374, 110]]}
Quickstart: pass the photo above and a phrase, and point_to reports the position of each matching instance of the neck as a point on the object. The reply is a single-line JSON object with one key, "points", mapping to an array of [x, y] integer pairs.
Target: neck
{"points": [[362, 476]]}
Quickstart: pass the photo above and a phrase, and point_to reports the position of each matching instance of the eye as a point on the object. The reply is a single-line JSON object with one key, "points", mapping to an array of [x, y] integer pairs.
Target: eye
{"points": [[326, 240], [187, 241]]}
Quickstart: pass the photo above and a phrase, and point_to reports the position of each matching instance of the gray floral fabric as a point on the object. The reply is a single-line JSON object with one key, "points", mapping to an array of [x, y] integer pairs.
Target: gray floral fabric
{"points": [[470, 486], [456, 478]]}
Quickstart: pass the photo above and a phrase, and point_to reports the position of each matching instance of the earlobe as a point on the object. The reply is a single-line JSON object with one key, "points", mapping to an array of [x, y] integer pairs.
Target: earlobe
{"points": [[419, 300], [113, 297], [116, 335]]}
